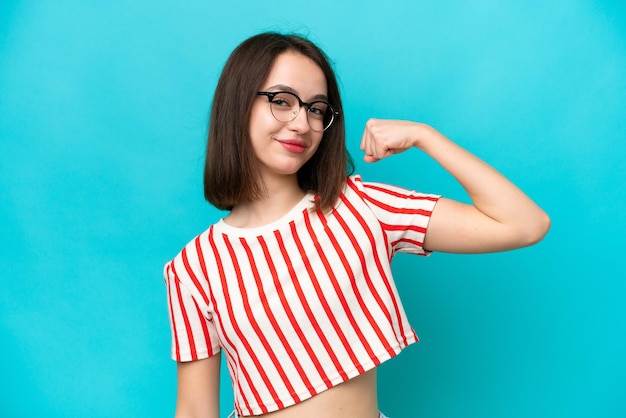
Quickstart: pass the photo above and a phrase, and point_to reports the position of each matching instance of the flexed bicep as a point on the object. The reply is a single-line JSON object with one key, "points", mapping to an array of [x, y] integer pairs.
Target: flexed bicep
{"points": [[457, 227]]}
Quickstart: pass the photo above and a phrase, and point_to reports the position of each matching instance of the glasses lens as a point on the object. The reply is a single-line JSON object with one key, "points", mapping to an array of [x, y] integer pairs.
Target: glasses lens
{"points": [[285, 107], [320, 116]]}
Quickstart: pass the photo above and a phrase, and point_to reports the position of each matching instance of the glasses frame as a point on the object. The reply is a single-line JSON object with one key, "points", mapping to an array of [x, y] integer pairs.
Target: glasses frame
{"points": [[270, 97]]}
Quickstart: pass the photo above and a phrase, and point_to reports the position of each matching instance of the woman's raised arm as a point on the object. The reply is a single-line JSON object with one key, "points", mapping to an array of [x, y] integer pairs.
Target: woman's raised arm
{"points": [[501, 216]]}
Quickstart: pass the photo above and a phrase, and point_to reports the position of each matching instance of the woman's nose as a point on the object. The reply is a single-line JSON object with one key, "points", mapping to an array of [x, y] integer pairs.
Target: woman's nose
{"points": [[301, 121]]}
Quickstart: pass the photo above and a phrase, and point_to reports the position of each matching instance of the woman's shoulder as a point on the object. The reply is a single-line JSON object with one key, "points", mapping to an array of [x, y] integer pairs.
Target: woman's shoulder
{"points": [[384, 188], [358, 182], [199, 243], [363, 187]]}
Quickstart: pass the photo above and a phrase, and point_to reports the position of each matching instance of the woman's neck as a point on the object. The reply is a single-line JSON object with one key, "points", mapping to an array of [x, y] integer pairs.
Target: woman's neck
{"points": [[281, 197]]}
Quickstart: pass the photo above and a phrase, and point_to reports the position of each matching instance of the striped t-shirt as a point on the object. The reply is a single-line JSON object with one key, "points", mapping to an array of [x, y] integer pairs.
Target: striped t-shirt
{"points": [[301, 304]]}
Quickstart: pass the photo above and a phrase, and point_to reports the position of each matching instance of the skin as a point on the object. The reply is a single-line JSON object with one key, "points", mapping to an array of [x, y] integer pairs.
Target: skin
{"points": [[500, 217]]}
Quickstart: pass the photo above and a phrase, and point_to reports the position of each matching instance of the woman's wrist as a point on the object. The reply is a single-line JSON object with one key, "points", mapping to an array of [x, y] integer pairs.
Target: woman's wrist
{"points": [[425, 136]]}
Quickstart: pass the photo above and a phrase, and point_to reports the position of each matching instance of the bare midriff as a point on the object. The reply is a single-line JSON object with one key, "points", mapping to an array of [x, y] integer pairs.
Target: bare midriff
{"points": [[355, 398]]}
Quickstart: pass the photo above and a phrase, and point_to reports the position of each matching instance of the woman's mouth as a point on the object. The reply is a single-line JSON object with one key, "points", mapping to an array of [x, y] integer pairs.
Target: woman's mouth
{"points": [[293, 145]]}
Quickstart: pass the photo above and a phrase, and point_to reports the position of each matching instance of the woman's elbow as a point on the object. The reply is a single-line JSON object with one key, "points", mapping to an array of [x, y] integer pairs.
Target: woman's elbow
{"points": [[537, 229]]}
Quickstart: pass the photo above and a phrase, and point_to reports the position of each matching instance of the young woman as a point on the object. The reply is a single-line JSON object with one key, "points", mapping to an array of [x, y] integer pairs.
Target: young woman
{"points": [[295, 284]]}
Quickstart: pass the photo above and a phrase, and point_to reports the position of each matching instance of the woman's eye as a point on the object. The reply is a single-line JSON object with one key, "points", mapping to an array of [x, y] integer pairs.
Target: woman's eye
{"points": [[280, 102], [318, 110]]}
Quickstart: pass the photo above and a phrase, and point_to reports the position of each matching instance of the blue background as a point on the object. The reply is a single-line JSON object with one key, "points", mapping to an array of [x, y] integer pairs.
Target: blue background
{"points": [[103, 111]]}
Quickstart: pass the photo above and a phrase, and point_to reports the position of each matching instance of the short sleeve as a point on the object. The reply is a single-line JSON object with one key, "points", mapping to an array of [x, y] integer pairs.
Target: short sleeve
{"points": [[403, 214], [194, 335]]}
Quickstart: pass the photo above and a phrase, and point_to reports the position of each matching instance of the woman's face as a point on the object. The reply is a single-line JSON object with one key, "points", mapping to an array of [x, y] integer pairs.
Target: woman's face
{"points": [[282, 148]]}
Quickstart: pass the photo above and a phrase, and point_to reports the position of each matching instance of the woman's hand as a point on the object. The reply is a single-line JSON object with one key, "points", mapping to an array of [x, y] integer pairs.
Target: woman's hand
{"points": [[383, 138]]}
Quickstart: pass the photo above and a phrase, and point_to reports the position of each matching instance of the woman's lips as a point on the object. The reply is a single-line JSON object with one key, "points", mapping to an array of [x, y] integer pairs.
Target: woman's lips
{"points": [[293, 145]]}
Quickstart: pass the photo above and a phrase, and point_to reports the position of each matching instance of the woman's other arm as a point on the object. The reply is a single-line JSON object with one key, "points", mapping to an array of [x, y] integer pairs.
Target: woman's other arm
{"points": [[198, 388], [501, 216]]}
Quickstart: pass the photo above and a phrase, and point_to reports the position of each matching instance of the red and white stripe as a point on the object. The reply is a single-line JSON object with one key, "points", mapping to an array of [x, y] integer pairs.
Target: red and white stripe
{"points": [[302, 304]]}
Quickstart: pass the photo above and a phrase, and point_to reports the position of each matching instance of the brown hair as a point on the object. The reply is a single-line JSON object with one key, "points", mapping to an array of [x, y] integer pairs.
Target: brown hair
{"points": [[230, 167]]}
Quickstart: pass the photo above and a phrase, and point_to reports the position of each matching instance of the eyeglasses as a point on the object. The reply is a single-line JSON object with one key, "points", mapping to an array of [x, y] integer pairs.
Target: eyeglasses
{"points": [[285, 107]]}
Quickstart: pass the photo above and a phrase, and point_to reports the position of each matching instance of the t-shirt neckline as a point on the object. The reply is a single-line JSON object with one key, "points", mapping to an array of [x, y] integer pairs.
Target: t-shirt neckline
{"points": [[304, 203]]}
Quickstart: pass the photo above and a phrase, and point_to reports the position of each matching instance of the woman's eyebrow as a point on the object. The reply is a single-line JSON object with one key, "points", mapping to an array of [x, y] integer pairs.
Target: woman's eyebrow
{"points": [[283, 87], [319, 97]]}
